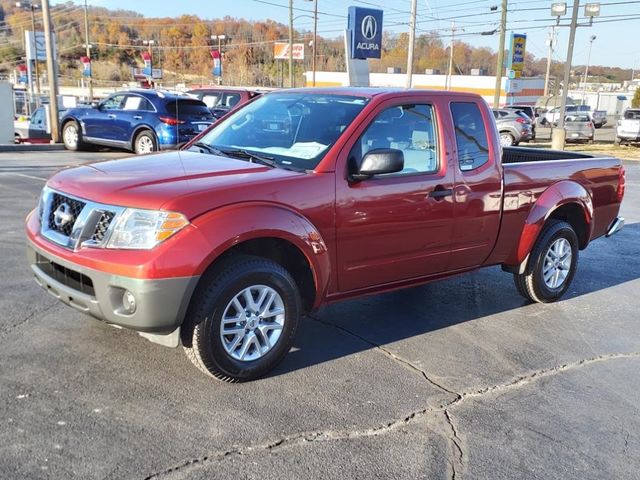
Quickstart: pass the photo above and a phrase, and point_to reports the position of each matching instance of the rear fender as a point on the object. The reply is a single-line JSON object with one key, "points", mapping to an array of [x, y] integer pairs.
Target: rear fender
{"points": [[557, 195], [228, 226]]}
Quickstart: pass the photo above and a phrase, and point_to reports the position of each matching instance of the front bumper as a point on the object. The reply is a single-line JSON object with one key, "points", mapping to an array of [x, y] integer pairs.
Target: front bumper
{"points": [[161, 304]]}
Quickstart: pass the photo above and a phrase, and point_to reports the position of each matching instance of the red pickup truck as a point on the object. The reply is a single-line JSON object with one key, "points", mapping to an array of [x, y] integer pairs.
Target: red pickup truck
{"points": [[309, 196]]}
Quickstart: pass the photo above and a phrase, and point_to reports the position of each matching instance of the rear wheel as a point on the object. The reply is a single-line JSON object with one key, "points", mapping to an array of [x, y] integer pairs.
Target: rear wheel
{"points": [[71, 136], [551, 265], [243, 319], [506, 139], [145, 143]]}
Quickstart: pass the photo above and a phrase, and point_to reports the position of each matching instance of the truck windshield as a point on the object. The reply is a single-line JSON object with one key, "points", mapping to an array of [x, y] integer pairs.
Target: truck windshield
{"points": [[295, 129]]}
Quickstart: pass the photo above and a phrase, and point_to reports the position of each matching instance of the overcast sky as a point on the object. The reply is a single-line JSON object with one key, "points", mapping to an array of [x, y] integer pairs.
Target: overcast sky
{"points": [[617, 42]]}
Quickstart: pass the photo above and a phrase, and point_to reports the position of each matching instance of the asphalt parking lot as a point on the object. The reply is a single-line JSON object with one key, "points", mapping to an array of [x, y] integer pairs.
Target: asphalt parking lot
{"points": [[457, 379]]}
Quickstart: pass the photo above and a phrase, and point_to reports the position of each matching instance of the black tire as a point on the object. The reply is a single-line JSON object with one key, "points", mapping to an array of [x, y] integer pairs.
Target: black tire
{"points": [[72, 130], [201, 332], [531, 284], [145, 139]]}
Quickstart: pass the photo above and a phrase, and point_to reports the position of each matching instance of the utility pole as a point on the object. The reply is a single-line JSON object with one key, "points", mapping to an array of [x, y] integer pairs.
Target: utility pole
{"points": [[586, 70], [412, 41], [450, 70], [290, 43], [558, 135], [500, 63], [551, 43], [35, 48], [315, 41], [51, 73], [88, 49]]}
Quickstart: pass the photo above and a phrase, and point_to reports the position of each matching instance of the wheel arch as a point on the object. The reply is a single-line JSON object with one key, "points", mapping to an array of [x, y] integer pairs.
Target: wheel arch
{"points": [[273, 232], [566, 200]]}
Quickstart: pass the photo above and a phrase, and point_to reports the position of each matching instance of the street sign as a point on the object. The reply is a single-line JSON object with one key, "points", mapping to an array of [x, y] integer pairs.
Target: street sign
{"points": [[365, 29], [217, 63], [517, 47], [86, 66], [140, 74], [281, 51], [147, 59]]}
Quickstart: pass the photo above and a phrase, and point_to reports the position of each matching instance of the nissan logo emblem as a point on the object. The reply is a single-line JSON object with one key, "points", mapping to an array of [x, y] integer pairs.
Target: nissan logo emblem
{"points": [[62, 216], [369, 27]]}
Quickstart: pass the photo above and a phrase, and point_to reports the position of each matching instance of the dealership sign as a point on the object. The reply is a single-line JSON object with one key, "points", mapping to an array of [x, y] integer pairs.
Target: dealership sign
{"points": [[86, 66], [517, 48], [281, 51], [217, 63], [365, 30]]}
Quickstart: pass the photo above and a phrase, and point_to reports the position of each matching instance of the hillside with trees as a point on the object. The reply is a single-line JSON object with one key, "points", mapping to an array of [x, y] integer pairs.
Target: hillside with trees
{"points": [[182, 45]]}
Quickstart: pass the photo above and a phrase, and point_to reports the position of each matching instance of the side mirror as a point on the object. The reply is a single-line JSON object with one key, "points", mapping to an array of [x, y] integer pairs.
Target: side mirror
{"points": [[100, 106], [378, 162]]}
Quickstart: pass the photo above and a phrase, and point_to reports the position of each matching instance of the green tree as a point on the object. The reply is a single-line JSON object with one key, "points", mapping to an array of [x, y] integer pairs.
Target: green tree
{"points": [[635, 102]]}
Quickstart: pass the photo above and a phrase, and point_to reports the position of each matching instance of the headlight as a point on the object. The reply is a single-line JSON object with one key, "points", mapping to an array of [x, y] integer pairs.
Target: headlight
{"points": [[144, 229]]}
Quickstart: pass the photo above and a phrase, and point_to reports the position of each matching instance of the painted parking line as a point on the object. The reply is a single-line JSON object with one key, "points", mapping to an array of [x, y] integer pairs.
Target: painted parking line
{"points": [[33, 177]]}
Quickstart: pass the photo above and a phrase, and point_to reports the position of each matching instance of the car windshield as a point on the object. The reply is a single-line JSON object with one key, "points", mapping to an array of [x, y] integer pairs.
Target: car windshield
{"points": [[295, 129]]}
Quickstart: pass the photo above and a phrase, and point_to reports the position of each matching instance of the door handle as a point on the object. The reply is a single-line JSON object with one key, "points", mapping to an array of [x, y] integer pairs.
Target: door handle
{"points": [[111, 115], [439, 193], [137, 117]]}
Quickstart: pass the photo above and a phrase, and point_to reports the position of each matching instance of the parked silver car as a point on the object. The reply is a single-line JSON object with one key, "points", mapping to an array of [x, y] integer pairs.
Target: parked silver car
{"points": [[514, 127], [628, 129], [579, 128]]}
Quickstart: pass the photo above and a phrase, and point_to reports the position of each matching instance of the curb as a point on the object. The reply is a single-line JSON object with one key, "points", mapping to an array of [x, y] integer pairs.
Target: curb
{"points": [[36, 147]]}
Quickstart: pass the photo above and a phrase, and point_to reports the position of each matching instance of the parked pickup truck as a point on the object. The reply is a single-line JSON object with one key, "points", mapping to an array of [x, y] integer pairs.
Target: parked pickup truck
{"points": [[309, 196], [36, 129]]}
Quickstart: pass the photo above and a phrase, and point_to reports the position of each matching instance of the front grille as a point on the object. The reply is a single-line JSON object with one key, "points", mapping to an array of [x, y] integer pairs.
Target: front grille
{"points": [[66, 276], [73, 209], [102, 226]]}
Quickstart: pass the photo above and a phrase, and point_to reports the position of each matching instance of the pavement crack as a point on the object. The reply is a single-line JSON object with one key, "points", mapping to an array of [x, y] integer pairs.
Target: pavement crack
{"points": [[388, 353], [543, 373], [299, 439], [5, 330], [458, 460]]}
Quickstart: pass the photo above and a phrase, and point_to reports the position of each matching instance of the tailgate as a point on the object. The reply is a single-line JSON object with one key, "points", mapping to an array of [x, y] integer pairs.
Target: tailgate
{"points": [[630, 126]]}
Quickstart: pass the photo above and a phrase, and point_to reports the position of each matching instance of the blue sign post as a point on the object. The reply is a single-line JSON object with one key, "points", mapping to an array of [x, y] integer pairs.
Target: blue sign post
{"points": [[365, 30]]}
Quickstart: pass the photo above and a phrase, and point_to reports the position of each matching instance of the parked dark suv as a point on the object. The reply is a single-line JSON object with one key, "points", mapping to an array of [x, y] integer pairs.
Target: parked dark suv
{"points": [[143, 121], [222, 100]]}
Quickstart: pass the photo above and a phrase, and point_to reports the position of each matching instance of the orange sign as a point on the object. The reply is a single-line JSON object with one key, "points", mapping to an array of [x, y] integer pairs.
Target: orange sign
{"points": [[281, 51]]}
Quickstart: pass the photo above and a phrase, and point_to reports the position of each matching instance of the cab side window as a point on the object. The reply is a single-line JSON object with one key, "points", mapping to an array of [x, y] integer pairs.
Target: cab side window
{"points": [[113, 103], [409, 128], [471, 136]]}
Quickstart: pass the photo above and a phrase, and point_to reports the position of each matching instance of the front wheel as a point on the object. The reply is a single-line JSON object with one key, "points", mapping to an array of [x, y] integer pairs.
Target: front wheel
{"points": [[551, 265], [71, 136], [243, 319]]}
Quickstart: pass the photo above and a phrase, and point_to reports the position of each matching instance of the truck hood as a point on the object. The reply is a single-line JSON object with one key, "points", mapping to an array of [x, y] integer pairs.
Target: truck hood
{"points": [[189, 182]]}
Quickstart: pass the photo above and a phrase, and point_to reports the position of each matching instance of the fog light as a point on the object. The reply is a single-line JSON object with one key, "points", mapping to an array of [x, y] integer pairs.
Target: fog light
{"points": [[128, 302]]}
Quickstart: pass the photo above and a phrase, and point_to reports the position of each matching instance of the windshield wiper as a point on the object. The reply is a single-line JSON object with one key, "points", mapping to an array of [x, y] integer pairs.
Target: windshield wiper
{"points": [[252, 157], [208, 148]]}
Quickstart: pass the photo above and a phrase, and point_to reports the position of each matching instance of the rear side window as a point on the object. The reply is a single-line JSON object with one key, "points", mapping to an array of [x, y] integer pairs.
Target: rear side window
{"points": [[471, 136], [185, 106]]}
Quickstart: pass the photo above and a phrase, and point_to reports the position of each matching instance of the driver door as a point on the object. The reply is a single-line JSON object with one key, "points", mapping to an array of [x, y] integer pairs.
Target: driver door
{"points": [[396, 226], [100, 122]]}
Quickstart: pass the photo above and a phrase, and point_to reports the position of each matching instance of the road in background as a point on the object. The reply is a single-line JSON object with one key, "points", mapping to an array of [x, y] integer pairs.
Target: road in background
{"points": [[458, 377]]}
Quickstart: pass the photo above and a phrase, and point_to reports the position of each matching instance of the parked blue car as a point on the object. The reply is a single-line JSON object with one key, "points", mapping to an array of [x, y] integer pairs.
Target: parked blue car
{"points": [[142, 121]]}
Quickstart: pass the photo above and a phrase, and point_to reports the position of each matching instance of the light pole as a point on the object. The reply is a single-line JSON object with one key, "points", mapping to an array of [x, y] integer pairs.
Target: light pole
{"points": [[558, 135], [315, 41], [219, 38], [412, 42], [290, 43], [51, 73], [500, 61], [586, 70], [88, 49], [32, 6], [551, 42]]}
